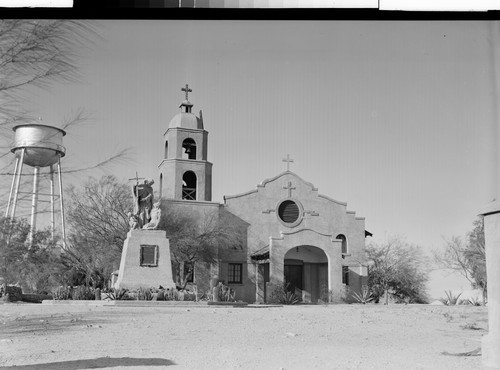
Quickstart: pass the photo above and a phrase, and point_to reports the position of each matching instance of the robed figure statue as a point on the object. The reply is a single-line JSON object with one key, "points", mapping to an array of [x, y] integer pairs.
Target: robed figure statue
{"points": [[143, 201]]}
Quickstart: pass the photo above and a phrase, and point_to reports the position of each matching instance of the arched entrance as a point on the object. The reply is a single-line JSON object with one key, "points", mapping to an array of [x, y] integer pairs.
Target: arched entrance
{"points": [[306, 272]]}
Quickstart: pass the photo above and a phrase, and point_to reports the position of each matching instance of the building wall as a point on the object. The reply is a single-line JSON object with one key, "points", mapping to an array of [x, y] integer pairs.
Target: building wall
{"points": [[258, 208], [254, 214]]}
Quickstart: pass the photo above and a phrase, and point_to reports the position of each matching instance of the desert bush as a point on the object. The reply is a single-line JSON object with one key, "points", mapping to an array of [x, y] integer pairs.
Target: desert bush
{"points": [[62, 293], [226, 294], [399, 268], [171, 295], [363, 297], [83, 293], [475, 301], [116, 294], [282, 294], [189, 296], [450, 299], [144, 294], [325, 293]]}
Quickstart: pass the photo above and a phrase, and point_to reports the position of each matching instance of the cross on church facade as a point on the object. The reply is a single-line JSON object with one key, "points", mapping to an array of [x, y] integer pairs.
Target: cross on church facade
{"points": [[289, 187], [288, 160], [187, 90]]}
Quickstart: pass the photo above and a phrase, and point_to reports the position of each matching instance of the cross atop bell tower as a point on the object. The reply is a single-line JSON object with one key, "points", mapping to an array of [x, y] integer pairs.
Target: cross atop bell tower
{"points": [[186, 104], [187, 90]]}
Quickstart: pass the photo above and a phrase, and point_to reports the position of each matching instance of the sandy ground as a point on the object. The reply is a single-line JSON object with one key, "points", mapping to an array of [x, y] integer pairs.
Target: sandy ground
{"points": [[291, 337]]}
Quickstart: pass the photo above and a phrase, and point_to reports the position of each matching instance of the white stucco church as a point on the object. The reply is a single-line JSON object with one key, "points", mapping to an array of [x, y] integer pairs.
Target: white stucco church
{"points": [[292, 232]]}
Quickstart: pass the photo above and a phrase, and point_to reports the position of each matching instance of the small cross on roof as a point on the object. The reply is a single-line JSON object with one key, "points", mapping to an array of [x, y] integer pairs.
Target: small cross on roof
{"points": [[187, 90], [288, 160]]}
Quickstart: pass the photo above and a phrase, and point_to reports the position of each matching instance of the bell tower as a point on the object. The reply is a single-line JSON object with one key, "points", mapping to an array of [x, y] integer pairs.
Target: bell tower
{"points": [[185, 173]]}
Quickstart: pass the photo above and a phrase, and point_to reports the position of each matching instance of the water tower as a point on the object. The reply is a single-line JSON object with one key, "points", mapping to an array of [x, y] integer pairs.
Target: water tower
{"points": [[38, 146]]}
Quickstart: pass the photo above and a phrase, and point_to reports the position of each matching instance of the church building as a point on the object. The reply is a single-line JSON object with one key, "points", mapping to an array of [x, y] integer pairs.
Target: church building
{"points": [[292, 233]]}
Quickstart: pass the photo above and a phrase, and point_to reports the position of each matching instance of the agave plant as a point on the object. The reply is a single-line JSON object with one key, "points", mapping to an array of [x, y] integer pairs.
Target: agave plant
{"points": [[283, 294], [116, 295], [364, 296], [450, 299], [475, 301], [290, 298]]}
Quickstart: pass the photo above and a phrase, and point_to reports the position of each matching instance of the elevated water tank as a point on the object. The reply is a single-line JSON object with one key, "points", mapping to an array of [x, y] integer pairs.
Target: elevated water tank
{"points": [[42, 144]]}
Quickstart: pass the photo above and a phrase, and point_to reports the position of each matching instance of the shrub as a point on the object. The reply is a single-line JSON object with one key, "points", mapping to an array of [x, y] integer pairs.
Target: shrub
{"points": [[62, 293], [171, 295], [282, 294], [226, 294], [189, 296], [144, 294], [83, 293]]}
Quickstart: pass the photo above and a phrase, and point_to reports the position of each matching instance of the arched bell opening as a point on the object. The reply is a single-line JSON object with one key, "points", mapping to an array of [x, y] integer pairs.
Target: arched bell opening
{"points": [[189, 149], [189, 186]]}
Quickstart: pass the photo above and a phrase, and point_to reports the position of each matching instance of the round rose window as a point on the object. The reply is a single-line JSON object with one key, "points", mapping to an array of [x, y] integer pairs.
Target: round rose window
{"points": [[288, 211]]}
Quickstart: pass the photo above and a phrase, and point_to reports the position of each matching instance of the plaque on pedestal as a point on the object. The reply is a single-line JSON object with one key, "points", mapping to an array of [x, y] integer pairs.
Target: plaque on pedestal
{"points": [[145, 261]]}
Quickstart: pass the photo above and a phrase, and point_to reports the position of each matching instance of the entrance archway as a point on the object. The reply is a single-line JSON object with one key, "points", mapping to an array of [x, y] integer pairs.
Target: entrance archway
{"points": [[306, 272]]}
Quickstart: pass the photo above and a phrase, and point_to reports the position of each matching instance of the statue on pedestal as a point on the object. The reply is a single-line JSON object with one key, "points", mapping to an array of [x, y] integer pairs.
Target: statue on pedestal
{"points": [[146, 214]]}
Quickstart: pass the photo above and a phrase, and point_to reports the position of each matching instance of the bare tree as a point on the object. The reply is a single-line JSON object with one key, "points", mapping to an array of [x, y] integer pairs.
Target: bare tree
{"points": [[198, 238], [37, 53], [98, 225], [467, 256], [97, 213], [399, 268]]}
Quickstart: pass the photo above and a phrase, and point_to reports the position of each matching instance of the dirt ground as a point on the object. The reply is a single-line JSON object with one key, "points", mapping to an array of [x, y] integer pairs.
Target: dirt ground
{"points": [[290, 337]]}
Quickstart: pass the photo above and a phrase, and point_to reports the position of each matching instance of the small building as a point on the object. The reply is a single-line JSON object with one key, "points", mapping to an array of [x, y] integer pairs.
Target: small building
{"points": [[292, 233]]}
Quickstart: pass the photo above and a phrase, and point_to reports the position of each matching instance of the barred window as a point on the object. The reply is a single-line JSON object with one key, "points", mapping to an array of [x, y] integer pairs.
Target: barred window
{"points": [[235, 273]]}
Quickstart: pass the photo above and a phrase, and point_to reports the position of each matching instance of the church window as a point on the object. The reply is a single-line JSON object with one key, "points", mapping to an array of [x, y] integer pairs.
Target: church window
{"points": [[235, 273], [344, 244], [345, 275], [288, 211], [189, 147], [166, 149], [189, 186], [149, 255]]}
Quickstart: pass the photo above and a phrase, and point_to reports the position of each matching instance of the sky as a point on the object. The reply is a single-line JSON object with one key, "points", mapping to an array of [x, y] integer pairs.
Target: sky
{"points": [[398, 119]]}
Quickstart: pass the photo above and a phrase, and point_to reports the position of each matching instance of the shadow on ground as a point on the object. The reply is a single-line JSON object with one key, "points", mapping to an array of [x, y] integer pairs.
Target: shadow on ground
{"points": [[96, 363]]}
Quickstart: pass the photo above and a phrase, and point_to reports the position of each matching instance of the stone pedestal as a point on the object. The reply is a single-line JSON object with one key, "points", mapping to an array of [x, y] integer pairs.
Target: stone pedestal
{"points": [[145, 261], [491, 341]]}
